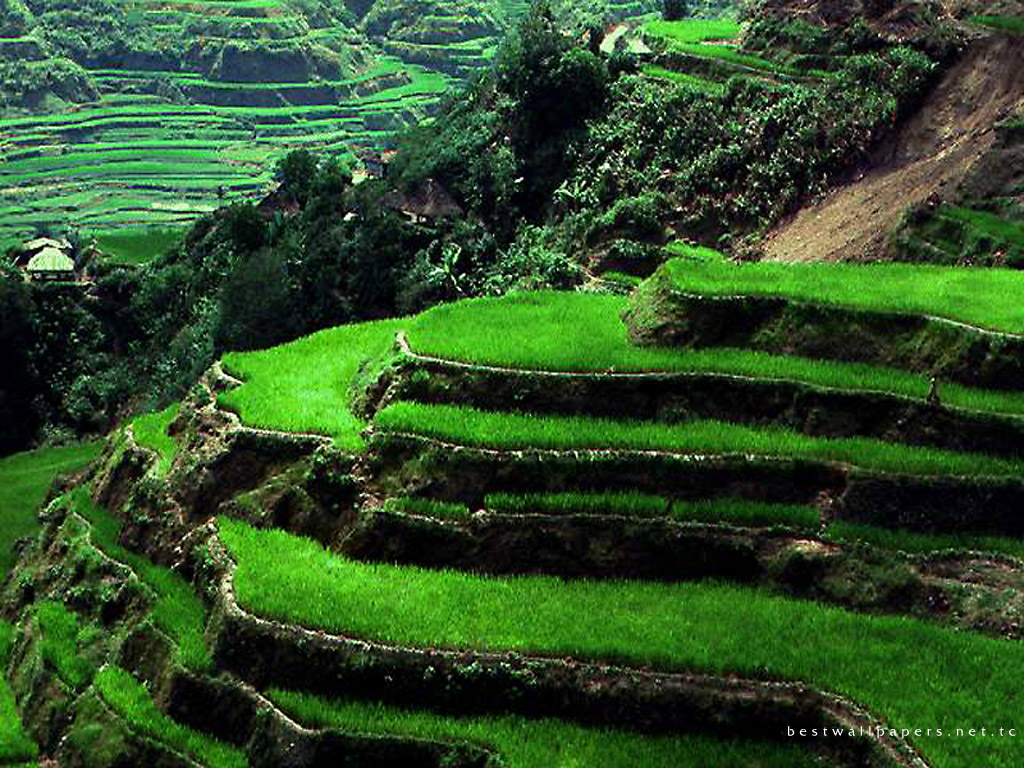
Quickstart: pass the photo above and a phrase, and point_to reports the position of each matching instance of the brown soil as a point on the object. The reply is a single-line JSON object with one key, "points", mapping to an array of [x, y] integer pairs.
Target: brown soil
{"points": [[926, 160]]}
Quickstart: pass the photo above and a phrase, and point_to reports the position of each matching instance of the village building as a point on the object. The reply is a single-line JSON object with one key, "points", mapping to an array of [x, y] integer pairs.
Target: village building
{"points": [[47, 259]]}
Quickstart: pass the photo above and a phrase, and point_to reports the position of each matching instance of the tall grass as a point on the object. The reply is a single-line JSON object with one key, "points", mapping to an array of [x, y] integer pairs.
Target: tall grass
{"points": [[582, 332], [305, 386], [911, 673], [24, 481], [526, 743], [132, 702], [985, 298], [513, 431], [177, 610], [15, 744], [150, 431]]}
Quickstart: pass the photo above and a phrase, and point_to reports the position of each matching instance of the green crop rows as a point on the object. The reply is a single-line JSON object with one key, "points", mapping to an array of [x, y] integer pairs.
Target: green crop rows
{"points": [[913, 674], [517, 431]]}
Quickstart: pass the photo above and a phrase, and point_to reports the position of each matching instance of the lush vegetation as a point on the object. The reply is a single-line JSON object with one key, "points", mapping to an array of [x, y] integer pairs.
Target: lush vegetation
{"points": [[24, 480], [913, 674], [177, 609], [15, 744], [524, 743], [516, 431], [981, 298], [132, 702], [150, 431]]}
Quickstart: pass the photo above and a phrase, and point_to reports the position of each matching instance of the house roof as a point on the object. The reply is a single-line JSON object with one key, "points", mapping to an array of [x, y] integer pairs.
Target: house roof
{"points": [[45, 242], [51, 260]]}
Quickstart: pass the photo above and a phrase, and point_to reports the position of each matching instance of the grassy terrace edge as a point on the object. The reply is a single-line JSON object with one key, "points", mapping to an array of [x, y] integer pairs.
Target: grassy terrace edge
{"points": [[525, 743], [517, 431], [305, 386], [982, 299], [913, 674]]}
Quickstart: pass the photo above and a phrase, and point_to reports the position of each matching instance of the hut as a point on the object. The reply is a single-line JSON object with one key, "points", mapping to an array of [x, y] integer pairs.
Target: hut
{"points": [[51, 264]]}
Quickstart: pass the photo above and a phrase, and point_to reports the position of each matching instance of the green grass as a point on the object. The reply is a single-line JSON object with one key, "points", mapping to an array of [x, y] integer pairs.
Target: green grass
{"points": [[1012, 24], [150, 431], [305, 386], [914, 674], [693, 38], [515, 431], [438, 510], [582, 332], [61, 639], [985, 298], [694, 82], [177, 610], [132, 702], [526, 743], [138, 246], [24, 481], [918, 543], [15, 744]]}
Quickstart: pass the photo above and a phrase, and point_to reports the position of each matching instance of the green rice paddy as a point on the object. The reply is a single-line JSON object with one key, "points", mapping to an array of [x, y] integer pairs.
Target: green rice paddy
{"points": [[583, 333], [24, 481], [518, 431], [132, 702], [305, 386], [526, 743], [912, 674], [716, 40], [984, 298]]}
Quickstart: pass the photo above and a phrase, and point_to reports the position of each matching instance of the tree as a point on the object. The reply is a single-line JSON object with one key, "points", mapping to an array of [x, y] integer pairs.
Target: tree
{"points": [[675, 10], [296, 173]]}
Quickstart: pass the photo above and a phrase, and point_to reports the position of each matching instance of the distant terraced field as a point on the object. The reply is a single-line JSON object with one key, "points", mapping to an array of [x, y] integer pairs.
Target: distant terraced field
{"points": [[218, 90]]}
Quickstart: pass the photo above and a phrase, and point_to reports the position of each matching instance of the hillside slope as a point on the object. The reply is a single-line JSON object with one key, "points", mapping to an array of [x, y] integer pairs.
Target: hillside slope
{"points": [[929, 156]]}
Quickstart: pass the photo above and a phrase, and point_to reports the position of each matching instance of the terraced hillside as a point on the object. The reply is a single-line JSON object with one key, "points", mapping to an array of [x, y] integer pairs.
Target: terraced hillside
{"points": [[524, 531], [150, 113]]}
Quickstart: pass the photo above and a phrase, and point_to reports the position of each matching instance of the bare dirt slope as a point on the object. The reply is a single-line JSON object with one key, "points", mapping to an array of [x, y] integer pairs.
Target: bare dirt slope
{"points": [[928, 157]]}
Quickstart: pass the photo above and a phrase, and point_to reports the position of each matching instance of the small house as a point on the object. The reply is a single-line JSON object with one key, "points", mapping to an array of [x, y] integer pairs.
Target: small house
{"points": [[51, 265]]}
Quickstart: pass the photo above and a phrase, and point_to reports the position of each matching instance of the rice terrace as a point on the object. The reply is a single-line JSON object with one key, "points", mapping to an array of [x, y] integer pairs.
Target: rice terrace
{"points": [[510, 384]]}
